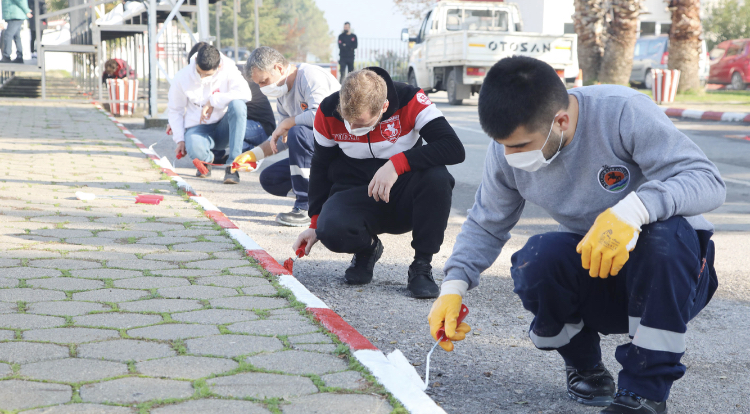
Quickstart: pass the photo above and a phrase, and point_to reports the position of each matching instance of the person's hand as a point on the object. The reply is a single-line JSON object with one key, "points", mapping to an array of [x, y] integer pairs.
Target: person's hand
{"points": [[29, 15], [275, 136], [308, 236], [382, 182], [444, 312], [169, 129], [605, 248], [180, 152], [206, 112]]}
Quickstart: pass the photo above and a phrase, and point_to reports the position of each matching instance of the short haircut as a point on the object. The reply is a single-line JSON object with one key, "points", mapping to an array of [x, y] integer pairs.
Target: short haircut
{"points": [[345, 23], [263, 59], [110, 65], [208, 57], [196, 47], [362, 91], [520, 91]]}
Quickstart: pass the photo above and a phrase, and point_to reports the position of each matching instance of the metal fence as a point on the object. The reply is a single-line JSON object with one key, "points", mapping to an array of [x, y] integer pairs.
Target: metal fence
{"points": [[390, 54]]}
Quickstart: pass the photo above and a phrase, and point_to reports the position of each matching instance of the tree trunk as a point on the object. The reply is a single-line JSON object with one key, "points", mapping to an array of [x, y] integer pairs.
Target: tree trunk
{"points": [[685, 43], [618, 54], [589, 24]]}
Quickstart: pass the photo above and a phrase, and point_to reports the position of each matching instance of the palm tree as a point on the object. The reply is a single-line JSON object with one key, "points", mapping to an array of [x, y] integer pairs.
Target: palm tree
{"points": [[622, 25], [685, 42], [589, 25]]}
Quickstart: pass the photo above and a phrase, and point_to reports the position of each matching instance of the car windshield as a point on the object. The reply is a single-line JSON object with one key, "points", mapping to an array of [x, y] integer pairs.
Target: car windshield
{"points": [[468, 19], [640, 47], [657, 46], [716, 53]]}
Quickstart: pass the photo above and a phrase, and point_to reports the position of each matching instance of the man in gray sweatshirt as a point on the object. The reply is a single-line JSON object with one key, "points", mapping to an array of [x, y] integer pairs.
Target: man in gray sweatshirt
{"points": [[632, 253]]}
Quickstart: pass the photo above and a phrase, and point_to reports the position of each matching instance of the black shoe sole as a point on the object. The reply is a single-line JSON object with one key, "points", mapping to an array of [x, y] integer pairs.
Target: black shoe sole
{"points": [[602, 401], [425, 295], [378, 253]]}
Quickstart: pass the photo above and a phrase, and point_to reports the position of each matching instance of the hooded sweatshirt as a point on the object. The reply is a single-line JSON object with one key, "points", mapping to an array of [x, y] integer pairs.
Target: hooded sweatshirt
{"points": [[189, 93]]}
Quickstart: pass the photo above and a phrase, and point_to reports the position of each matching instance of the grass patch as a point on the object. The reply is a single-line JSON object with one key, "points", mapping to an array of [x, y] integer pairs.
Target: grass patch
{"points": [[717, 97]]}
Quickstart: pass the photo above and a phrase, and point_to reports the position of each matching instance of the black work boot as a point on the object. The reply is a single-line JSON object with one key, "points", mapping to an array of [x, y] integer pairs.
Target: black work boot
{"points": [[421, 284], [363, 264], [294, 218], [593, 386], [231, 177], [627, 402]]}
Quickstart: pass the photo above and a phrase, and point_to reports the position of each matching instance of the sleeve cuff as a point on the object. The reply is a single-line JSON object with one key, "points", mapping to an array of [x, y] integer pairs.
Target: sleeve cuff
{"points": [[454, 287], [314, 222], [401, 163]]}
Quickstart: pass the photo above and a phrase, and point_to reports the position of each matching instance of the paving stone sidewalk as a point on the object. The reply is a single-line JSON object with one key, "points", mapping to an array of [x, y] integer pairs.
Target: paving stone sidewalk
{"points": [[107, 306]]}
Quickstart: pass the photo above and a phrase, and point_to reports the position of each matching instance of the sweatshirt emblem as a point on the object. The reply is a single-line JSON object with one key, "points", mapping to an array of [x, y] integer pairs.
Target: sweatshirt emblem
{"points": [[423, 99], [614, 178], [303, 106], [391, 129]]}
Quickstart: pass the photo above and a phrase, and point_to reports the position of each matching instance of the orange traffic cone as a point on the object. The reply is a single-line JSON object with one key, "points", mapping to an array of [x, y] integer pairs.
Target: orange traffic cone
{"points": [[579, 79]]}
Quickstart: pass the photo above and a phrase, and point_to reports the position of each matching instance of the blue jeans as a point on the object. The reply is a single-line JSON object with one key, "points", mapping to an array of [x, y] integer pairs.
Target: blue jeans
{"points": [[667, 280], [254, 135], [228, 133], [292, 173], [12, 33]]}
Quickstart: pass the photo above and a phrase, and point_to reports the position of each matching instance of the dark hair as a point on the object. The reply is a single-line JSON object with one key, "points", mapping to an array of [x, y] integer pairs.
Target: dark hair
{"points": [[345, 23], [208, 57], [196, 47], [520, 91]]}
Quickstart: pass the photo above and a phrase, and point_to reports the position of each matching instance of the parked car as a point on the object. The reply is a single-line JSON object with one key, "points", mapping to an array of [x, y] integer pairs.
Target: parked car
{"points": [[731, 64], [242, 52], [652, 52]]}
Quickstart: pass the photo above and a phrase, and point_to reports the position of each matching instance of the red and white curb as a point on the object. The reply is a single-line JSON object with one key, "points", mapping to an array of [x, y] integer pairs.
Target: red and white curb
{"points": [[393, 371], [708, 115]]}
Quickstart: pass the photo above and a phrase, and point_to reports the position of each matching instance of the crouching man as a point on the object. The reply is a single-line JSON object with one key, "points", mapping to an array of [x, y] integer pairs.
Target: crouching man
{"points": [[371, 175], [207, 111], [633, 255]]}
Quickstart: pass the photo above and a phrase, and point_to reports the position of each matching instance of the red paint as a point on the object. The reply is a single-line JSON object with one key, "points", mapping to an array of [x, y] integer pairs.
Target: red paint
{"points": [[747, 138], [747, 118], [674, 111], [222, 220], [139, 145], [169, 172], [268, 262], [345, 332], [712, 116]]}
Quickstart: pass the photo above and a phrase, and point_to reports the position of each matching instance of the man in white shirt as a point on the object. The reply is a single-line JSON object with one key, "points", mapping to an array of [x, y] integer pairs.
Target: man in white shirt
{"points": [[207, 111]]}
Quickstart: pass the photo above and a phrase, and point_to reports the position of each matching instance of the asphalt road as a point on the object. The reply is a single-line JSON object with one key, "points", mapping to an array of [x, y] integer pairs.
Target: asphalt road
{"points": [[497, 368]]}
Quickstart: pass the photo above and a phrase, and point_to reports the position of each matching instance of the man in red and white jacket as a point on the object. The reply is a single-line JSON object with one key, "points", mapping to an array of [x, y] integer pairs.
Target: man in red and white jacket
{"points": [[371, 175]]}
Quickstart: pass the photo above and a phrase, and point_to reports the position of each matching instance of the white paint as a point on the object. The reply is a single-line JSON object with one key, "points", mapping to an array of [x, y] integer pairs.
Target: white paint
{"points": [[732, 180], [136, 141], [149, 151], [399, 361], [207, 206], [401, 386], [246, 241], [733, 116], [692, 113], [301, 293], [163, 162]]}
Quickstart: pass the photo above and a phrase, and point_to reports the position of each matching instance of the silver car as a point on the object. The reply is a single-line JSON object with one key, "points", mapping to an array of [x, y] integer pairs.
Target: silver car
{"points": [[652, 52]]}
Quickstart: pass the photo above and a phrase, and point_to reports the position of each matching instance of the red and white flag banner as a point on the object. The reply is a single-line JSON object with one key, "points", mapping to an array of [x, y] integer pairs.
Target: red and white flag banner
{"points": [[664, 86], [125, 91]]}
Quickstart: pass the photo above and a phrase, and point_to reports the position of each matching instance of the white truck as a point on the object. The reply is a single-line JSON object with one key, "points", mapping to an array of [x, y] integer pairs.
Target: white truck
{"points": [[459, 41]]}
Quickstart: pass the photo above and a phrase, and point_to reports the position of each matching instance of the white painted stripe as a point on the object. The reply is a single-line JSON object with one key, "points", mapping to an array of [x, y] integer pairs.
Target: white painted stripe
{"points": [[242, 238], [732, 180], [136, 141], [398, 384], [149, 151], [692, 113], [563, 338], [478, 131], [300, 292], [163, 162], [733, 116], [295, 170], [659, 340], [633, 322], [399, 361], [207, 206], [125, 131]]}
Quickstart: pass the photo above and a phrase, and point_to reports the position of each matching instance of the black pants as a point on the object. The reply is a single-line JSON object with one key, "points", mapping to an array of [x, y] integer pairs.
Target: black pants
{"points": [[420, 202], [345, 63]]}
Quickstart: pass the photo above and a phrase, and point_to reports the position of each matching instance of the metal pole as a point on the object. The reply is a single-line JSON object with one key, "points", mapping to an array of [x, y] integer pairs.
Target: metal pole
{"points": [[203, 29], [236, 12], [257, 23], [153, 109], [218, 24], [37, 29]]}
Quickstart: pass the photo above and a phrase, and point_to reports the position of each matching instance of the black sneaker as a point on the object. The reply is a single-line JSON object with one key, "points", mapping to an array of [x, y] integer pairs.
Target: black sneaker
{"points": [[627, 402], [6, 60], [294, 218], [203, 174], [593, 386], [231, 177], [421, 283], [363, 264], [17, 60]]}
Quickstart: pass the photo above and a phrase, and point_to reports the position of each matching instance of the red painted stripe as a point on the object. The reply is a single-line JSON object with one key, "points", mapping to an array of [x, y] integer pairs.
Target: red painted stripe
{"points": [[154, 157], [131, 136], [268, 262], [674, 111], [712, 116], [221, 219], [746, 119], [169, 172], [139, 145], [346, 333]]}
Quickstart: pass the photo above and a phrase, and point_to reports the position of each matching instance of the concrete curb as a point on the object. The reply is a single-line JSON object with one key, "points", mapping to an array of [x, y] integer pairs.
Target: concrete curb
{"points": [[708, 115], [388, 374]]}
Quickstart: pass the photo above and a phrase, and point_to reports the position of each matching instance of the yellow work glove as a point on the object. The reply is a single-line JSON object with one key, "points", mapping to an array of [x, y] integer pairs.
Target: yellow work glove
{"points": [[444, 312], [247, 161], [606, 247]]}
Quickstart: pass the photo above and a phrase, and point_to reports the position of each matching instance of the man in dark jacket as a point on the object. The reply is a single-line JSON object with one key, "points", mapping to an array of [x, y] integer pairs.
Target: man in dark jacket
{"points": [[32, 24], [347, 45], [371, 175]]}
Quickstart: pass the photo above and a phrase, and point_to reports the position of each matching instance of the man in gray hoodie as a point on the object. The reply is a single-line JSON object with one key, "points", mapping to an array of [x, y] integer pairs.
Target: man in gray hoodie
{"points": [[628, 190]]}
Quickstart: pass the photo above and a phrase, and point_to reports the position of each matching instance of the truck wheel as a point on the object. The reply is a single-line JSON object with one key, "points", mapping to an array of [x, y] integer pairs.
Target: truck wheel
{"points": [[737, 83], [451, 88]]}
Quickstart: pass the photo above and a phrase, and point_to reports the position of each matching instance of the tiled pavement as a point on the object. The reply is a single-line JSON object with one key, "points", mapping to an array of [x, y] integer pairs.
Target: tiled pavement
{"points": [[108, 306]]}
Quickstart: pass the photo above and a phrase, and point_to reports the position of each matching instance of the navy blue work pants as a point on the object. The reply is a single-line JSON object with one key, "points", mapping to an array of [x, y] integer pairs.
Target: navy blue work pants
{"points": [[292, 173], [667, 280]]}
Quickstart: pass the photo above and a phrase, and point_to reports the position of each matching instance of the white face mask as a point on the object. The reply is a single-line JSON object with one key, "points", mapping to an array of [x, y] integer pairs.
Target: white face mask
{"points": [[273, 90], [533, 160], [358, 132]]}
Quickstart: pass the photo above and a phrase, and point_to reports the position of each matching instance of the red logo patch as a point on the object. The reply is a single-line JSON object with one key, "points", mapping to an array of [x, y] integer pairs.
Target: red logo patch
{"points": [[423, 99], [390, 129], [303, 105]]}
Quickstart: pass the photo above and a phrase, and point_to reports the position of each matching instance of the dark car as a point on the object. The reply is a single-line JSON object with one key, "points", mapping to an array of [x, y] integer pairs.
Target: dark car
{"points": [[242, 53], [731, 63]]}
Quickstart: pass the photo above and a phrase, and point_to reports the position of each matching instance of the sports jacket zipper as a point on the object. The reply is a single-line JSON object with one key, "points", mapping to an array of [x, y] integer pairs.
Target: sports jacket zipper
{"points": [[369, 144]]}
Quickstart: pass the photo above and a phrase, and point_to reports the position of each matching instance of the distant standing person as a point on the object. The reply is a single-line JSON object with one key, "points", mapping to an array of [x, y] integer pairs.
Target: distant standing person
{"points": [[347, 45], [14, 13], [32, 24]]}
